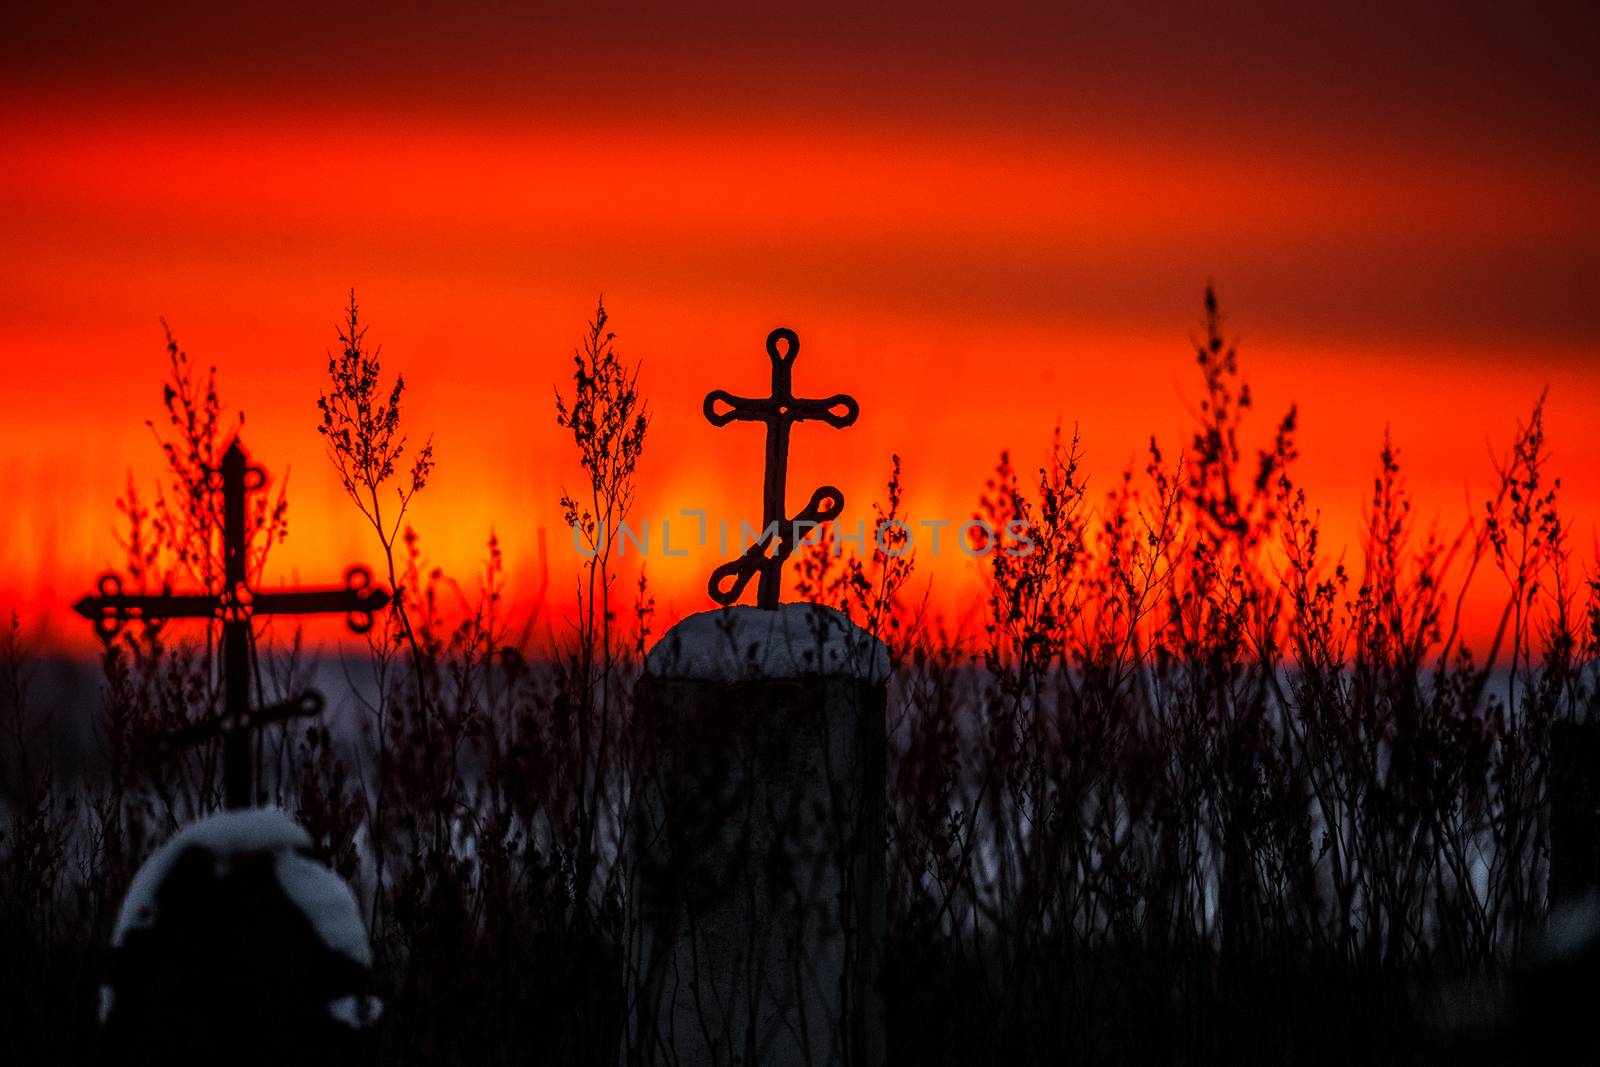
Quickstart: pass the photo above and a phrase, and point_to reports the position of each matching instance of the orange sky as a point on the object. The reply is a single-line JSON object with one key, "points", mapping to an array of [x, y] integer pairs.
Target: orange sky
{"points": [[978, 225]]}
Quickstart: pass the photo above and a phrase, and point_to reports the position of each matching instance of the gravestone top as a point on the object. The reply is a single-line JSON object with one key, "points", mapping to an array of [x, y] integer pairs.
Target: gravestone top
{"points": [[320, 894], [792, 641], [234, 944]]}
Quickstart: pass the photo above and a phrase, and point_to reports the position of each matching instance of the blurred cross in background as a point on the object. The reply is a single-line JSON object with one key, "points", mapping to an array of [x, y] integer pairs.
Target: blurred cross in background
{"points": [[358, 600], [779, 411]]}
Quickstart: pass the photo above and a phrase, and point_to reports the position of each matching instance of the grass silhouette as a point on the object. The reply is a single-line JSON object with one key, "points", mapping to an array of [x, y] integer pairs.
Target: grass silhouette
{"points": [[1196, 790]]}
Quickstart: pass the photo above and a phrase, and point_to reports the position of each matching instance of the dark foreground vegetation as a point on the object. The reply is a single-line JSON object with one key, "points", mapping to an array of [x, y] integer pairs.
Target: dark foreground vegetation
{"points": [[1196, 790]]}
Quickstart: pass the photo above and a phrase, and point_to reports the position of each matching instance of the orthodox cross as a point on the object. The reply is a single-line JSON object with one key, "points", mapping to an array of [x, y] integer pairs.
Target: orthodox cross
{"points": [[779, 411], [358, 599]]}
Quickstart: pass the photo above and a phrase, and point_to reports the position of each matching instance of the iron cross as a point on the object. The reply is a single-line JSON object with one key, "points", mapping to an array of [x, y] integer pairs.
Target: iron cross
{"points": [[358, 600], [779, 411]]}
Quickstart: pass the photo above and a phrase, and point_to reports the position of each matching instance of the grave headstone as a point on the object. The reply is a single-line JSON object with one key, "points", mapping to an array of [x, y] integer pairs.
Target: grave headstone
{"points": [[235, 946], [759, 843]]}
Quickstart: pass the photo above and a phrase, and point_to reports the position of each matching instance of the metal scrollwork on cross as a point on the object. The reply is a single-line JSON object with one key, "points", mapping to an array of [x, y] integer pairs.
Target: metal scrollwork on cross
{"points": [[358, 600], [781, 410]]}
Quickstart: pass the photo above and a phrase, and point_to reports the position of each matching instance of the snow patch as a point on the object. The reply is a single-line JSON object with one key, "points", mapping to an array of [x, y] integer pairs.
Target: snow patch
{"points": [[793, 641], [328, 902], [356, 1010], [320, 894], [224, 834]]}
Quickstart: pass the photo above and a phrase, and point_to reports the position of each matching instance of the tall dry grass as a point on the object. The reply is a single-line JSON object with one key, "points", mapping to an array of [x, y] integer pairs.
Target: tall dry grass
{"points": [[1196, 789]]}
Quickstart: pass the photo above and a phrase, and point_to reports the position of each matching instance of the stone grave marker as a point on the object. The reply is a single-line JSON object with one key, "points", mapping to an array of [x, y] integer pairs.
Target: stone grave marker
{"points": [[235, 946], [758, 838]]}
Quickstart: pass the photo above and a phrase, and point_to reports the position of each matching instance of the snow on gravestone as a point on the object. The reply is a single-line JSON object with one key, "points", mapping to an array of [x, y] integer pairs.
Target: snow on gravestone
{"points": [[235, 946], [759, 882]]}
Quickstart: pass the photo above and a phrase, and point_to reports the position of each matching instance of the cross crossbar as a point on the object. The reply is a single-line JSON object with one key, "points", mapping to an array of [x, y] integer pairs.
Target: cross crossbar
{"points": [[109, 608]]}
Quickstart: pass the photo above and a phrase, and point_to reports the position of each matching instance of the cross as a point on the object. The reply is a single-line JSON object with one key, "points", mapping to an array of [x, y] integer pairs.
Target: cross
{"points": [[358, 600], [779, 411]]}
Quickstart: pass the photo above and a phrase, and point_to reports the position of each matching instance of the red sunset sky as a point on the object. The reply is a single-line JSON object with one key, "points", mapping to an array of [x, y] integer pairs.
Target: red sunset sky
{"points": [[979, 223]]}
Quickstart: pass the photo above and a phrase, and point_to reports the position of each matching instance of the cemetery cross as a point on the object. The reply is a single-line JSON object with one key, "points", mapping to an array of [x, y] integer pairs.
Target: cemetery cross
{"points": [[358, 600], [779, 411]]}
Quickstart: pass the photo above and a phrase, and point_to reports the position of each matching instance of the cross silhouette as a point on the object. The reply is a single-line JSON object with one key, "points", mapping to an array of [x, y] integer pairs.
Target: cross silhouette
{"points": [[779, 411], [358, 600]]}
